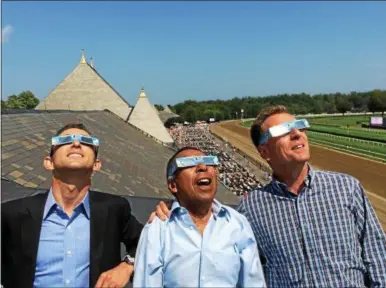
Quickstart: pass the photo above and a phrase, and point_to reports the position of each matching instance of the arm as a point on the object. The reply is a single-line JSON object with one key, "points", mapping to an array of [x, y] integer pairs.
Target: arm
{"points": [[372, 239], [131, 232], [251, 271], [119, 276], [4, 240], [149, 260]]}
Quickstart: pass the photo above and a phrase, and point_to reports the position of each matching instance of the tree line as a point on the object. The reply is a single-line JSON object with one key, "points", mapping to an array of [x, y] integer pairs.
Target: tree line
{"points": [[248, 107], [24, 100]]}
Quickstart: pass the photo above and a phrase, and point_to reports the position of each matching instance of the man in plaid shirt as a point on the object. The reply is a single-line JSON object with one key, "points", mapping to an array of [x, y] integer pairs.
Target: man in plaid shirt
{"points": [[313, 228]]}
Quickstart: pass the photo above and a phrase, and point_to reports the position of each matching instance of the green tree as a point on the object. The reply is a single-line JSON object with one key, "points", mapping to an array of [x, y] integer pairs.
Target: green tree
{"points": [[375, 103], [218, 115], [208, 113], [357, 100], [13, 102], [27, 100], [190, 114], [3, 105], [343, 105]]}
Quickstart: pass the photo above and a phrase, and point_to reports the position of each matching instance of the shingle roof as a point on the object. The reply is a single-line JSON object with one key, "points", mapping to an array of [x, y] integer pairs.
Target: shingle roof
{"points": [[165, 116], [85, 89], [132, 164], [144, 116]]}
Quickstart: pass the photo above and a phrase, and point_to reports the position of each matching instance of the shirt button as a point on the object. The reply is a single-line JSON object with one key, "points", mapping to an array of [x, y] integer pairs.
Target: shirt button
{"points": [[191, 227], [69, 252], [69, 227], [68, 281]]}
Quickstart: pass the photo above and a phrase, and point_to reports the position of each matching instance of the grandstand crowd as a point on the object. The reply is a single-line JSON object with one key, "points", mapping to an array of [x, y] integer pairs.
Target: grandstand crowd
{"points": [[232, 174]]}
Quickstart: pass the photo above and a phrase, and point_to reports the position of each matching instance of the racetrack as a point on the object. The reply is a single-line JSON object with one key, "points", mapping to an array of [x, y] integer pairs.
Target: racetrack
{"points": [[371, 174]]}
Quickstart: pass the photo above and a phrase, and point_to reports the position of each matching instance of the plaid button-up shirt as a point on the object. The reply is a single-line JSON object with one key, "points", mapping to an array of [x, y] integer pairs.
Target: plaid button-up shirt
{"points": [[327, 236]]}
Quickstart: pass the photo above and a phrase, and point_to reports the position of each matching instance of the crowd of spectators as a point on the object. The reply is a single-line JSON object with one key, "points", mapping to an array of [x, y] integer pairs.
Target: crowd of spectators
{"points": [[232, 174]]}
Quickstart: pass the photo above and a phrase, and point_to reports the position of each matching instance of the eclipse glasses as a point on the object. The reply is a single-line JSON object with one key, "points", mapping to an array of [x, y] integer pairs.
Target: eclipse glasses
{"points": [[191, 161], [282, 129], [67, 139]]}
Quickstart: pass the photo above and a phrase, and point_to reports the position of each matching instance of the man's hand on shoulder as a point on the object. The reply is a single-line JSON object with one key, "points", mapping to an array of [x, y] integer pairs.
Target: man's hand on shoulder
{"points": [[116, 277], [162, 211]]}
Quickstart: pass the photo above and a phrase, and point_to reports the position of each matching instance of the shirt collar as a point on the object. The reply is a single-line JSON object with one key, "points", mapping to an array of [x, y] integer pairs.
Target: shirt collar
{"points": [[218, 209], [282, 187], [52, 204]]}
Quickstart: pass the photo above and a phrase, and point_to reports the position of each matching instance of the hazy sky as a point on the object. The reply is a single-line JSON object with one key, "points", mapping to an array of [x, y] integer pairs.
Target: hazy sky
{"points": [[197, 50]]}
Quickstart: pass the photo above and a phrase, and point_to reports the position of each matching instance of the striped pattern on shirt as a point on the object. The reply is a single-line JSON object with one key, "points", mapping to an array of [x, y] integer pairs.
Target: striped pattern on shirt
{"points": [[327, 236]]}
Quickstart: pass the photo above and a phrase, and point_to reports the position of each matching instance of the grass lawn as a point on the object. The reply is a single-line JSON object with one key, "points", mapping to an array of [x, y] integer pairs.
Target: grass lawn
{"points": [[342, 120]]}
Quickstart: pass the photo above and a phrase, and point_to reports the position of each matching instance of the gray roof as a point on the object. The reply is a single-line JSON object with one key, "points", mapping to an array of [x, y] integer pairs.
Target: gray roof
{"points": [[144, 116], [85, 89], [132, 163], [165, 115]]}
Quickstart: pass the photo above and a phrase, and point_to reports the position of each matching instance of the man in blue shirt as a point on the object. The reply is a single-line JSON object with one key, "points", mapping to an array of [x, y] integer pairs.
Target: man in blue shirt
{"points": [[203, 243], [69, 236]]}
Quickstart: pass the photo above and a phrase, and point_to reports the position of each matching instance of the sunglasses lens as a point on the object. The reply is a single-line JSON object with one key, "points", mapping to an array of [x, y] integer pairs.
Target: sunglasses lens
{"points": [[86, 140], [65, 139]]}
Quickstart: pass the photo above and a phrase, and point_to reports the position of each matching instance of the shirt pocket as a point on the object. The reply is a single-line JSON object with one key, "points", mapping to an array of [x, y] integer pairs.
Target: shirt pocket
{"points": [[226, 265]]}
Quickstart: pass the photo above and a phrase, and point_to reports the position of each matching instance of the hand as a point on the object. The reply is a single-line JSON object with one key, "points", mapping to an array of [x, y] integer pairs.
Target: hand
{"points": [[162, 211], [116, 277]]}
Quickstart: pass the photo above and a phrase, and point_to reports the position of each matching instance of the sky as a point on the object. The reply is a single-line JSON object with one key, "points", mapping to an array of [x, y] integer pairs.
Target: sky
{"points": [[197, 50]]}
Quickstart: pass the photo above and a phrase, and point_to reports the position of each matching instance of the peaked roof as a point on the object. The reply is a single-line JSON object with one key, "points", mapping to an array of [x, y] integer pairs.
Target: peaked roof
{"points": [[167, 109], [167, 114], [85, 89], [144, 117]]}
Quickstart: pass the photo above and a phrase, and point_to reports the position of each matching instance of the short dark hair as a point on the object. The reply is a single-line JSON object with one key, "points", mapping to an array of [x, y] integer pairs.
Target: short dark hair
{"points": [[71, 126], [178, 152], [261, 117]]}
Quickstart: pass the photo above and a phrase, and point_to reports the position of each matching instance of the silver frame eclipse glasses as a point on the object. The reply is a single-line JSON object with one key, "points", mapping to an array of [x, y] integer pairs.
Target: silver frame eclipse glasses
{"points": [[68, 139], [282, 129], [184, 162]]}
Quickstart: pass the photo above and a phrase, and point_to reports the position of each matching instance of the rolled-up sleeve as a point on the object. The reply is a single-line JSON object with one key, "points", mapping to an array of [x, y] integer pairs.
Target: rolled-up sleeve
{"points": [[148, 267], [251, 272]]}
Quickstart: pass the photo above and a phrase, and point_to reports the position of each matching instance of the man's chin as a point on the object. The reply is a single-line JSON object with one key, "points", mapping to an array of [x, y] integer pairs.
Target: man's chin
{"points": [[74, 167]]}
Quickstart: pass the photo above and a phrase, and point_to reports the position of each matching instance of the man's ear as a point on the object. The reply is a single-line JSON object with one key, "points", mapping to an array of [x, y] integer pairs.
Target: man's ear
{"points": [[97, 165], [172, 186], [264, 152], [48, 164]]}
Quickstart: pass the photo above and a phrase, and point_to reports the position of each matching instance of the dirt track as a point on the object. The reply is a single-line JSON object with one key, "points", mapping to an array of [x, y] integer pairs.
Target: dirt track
{"points": [[371, 174]]}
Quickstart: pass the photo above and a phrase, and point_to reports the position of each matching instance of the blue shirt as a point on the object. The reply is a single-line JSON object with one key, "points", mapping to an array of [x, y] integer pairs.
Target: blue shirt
{"points": [[326, 236], [63, 258], [173, 253]]}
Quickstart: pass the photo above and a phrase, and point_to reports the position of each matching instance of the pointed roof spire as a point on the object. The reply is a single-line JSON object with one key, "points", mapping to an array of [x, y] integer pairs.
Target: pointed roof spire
{"points": [[144, 116], [143, 93], [91, 62], [83, 59]]}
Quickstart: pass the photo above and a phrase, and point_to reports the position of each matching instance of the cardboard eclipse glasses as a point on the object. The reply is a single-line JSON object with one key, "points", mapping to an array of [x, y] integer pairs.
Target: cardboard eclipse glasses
{"points": [[191, 161], [284, 128], [67, 139]]}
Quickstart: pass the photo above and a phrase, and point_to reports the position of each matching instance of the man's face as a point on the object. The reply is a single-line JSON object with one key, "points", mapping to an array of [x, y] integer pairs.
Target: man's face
{"points": [[194, 184], [74, 156], [289, 148]]}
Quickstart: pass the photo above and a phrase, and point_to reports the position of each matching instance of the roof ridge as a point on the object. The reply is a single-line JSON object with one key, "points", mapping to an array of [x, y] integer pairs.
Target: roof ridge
{"points": [[109, 84]]}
